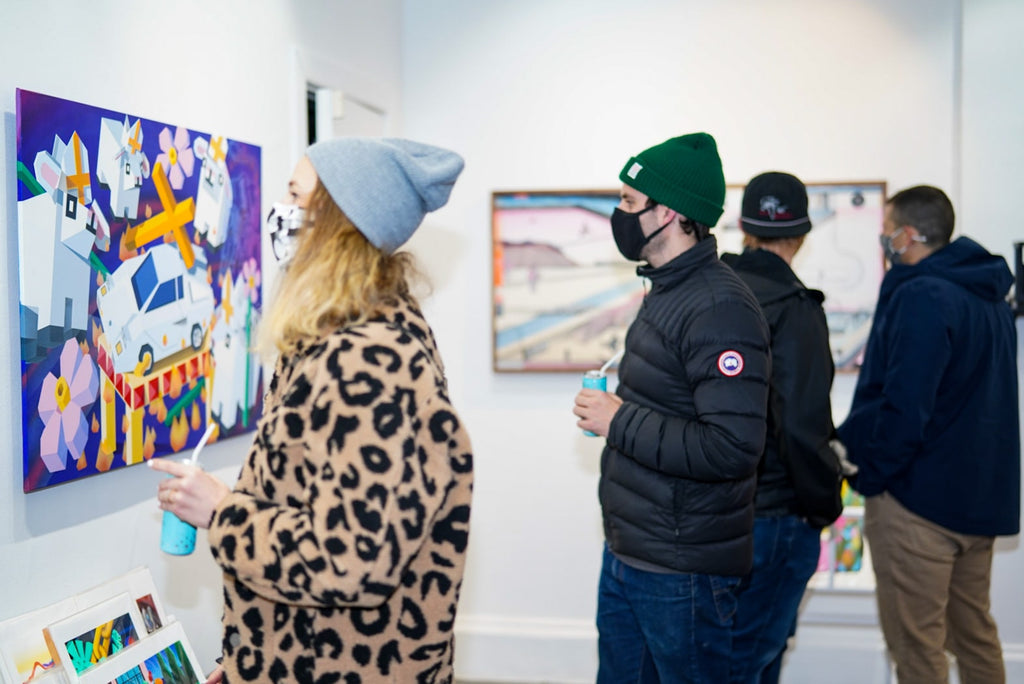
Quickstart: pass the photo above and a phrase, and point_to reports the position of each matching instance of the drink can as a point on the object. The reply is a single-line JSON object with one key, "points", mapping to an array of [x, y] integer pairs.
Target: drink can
{"points": [[594, 379]]}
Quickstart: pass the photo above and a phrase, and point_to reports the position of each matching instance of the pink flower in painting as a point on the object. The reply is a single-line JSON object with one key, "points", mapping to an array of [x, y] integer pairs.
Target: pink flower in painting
{"points": [[176, 155], [62, 404], [251, 280]]}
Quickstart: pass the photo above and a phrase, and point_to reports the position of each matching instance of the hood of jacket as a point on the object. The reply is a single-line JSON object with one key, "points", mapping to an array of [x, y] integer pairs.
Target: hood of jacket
{"points": [[769, 276], [963, 262]]}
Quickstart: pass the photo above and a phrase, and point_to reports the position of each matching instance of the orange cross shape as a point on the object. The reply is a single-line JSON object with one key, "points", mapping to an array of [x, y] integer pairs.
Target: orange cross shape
{"points": [[133, 141], [229, 311], [171, 220], [78, 179], [217, 148]]}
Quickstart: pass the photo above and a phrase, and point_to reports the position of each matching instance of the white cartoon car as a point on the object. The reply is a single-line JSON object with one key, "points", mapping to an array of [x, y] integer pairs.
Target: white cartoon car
{"points": [[151, 306]]}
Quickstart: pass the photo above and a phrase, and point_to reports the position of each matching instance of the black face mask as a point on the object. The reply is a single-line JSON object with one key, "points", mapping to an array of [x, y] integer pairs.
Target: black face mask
{"points": [[629, 235]]}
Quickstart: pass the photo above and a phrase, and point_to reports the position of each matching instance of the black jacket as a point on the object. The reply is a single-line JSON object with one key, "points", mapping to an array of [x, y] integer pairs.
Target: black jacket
{"points": [[679, 468], [799, 473]]}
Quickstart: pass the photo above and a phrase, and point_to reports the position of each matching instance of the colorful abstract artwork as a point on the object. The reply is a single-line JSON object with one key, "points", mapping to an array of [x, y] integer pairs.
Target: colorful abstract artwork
{"points": [[163, 657], [101, 642], [140, 287], [25, 649], [844, 561], [169, 666]]}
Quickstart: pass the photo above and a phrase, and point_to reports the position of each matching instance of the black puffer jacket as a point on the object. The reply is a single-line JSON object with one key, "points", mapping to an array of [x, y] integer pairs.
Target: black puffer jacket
{"points": [[679, 469], [800, 472]]}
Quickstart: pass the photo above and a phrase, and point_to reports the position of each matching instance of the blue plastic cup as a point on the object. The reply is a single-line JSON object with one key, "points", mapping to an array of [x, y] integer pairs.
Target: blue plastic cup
{"points": [[177, 537], [594, 379]]}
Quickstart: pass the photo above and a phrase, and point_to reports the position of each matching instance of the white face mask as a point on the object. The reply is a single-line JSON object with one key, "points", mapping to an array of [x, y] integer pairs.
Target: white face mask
{"points": [[284, 223]]}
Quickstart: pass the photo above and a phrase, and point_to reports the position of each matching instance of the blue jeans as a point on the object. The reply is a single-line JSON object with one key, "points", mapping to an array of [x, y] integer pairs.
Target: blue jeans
{"points": [[786, 551], [656, 628]]}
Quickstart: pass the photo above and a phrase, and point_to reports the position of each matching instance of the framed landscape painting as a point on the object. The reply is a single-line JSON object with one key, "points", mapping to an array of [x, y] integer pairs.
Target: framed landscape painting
{"points": [[563, 297]]}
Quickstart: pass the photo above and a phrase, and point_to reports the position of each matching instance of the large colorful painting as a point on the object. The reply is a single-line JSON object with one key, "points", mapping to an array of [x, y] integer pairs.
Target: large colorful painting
{"points": [[139, 260], [563, 296]]}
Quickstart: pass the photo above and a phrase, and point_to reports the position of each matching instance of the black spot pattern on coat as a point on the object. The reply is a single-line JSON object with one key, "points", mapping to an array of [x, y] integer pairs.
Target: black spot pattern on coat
{"points": [[375, 459], [383, 357], [298, 393], [361, 653], [356, 519], [446, 530], [370, 622]]}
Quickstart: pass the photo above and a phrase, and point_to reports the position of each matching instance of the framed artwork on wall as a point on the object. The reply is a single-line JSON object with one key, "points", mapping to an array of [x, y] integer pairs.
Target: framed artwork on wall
{"points": [[563, 297], [139, 273]]}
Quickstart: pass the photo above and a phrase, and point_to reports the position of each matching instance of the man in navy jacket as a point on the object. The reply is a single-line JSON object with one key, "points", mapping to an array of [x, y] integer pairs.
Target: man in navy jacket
{"points": [[934, 431]]}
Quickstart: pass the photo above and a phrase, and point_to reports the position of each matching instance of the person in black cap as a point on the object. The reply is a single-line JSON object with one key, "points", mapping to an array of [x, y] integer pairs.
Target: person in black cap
{"points": [[684, 430], [799, 478]]}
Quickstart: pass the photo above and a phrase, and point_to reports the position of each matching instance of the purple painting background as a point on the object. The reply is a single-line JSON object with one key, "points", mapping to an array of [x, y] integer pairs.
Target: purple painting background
{"points": [[41, 117]]}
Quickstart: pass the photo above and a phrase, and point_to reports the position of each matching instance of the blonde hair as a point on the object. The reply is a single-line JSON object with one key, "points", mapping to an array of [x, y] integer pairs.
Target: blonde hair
{"points": [[337, 278]]}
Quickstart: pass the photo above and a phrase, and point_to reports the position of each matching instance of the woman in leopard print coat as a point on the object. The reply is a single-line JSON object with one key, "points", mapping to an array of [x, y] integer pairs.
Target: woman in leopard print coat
{"points": [[343, 542]]}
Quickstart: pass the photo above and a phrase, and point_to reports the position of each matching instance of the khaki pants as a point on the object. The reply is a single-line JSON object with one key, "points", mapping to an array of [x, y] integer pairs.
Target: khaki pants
{"points": [[933, 596]]}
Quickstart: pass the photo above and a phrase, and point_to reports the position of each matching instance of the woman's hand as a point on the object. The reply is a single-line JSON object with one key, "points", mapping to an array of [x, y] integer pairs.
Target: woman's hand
{"points": [[216, 676], [191, 494]]}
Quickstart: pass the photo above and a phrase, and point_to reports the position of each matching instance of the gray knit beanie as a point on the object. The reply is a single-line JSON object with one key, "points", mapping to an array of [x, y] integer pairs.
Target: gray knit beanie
{"points": [[385, 185]]}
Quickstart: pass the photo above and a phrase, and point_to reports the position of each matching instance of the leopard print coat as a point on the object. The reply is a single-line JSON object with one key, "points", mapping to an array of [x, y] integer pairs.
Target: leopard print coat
{"points": [[343, 543]]}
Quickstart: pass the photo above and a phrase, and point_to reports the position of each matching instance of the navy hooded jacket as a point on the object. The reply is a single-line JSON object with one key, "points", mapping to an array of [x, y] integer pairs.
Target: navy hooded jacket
{"points": [[934, 419]]}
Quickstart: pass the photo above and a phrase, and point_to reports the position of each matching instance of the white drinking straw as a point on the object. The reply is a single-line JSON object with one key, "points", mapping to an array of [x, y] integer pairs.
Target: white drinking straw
{"points": [[609, 362], [202, 442]]}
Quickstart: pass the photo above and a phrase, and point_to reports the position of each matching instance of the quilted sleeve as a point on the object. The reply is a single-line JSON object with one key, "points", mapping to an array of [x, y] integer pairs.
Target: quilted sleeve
{"points": [[727, 360], [346, 477]]}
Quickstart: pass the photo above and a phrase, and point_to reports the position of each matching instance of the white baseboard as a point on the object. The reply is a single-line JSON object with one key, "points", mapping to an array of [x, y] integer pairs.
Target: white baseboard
{"points": [[496, 648], [493, 648]]}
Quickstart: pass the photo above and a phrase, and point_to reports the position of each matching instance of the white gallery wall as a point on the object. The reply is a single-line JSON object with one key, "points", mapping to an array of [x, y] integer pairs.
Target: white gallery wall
{"points": [[558, 95], [222, 65]]}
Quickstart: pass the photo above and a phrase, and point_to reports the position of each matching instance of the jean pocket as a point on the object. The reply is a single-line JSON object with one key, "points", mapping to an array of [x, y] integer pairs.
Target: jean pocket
{"points": [[723, 594]]}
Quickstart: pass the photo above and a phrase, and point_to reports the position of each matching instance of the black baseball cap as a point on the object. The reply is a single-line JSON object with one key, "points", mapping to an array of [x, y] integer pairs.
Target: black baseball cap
{"points": [[775, 205]]}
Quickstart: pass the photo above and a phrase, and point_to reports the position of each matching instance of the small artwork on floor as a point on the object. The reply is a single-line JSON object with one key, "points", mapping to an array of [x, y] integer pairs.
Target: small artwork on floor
{"points": [[150, 614]]}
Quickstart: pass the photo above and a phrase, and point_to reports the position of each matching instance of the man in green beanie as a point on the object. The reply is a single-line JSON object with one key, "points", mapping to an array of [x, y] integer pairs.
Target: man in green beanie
{"points": [[685, 430]]}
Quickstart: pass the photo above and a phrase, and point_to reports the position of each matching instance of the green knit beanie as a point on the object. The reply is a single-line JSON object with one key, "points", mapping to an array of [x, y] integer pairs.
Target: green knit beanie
{"points": [[684, 174]]}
